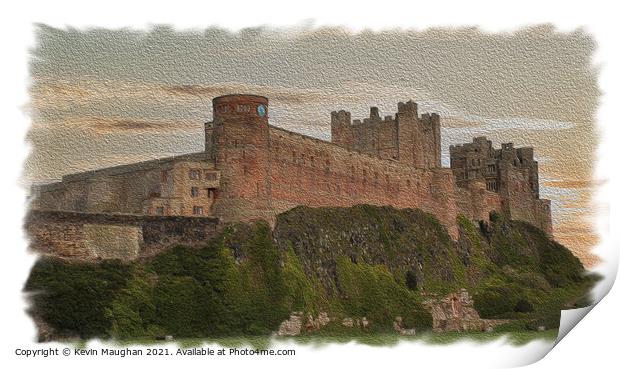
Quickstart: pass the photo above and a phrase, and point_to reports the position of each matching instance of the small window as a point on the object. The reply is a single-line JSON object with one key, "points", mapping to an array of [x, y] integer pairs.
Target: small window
{"points": [[159, 210], [68, 235], [194, 174], [195, 192], [164, 176], [211, 176], [197, 210], [242, 108]]}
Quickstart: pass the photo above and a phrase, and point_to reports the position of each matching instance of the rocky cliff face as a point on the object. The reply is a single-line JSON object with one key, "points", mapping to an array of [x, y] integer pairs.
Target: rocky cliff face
{"points": [[407, 241], [512, 268]]}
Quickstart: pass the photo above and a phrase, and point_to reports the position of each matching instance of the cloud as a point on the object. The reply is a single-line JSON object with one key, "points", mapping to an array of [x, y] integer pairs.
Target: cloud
{"points": [[589, 184], [103, 125]]}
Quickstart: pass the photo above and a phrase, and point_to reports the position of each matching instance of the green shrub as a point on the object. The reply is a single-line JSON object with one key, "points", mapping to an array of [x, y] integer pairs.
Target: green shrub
{"points": [[523, 306], [72, 297], [371, 291], [133, 312], [494, 301], [411, 280]]}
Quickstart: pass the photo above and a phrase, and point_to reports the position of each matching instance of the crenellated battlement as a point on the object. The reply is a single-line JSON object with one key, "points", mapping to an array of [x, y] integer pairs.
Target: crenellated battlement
{"points": [[341, 118], [404, 136], [408, 108], [478, 160]]}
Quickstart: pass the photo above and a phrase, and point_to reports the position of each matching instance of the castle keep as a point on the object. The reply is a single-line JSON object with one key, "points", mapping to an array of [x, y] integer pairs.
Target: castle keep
{"points": [[250, 170]]}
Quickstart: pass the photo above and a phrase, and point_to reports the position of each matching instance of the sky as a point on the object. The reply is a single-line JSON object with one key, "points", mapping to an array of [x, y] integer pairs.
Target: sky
{"points": [[103, 97]]}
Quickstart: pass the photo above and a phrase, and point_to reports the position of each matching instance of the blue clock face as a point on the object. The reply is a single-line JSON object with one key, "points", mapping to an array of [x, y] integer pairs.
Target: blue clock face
{"points": [[261, 110]]}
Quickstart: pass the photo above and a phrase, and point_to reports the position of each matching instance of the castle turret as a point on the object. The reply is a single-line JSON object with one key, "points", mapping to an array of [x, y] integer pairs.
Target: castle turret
{"points": [[342, 133], [419, 138], [239, 143]]}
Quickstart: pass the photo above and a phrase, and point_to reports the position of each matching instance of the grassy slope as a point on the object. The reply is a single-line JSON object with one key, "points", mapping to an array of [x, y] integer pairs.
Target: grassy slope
{"points": [[367, 261]]}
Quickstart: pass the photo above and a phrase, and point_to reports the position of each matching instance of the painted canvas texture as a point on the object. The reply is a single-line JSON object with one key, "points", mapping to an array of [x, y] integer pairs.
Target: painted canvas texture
{"points": [[313, 184]]}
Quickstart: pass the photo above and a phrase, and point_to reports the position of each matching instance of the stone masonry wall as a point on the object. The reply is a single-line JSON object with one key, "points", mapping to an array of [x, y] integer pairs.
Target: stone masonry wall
{"points": [[156, 187], [316, 173], [87, 236]]}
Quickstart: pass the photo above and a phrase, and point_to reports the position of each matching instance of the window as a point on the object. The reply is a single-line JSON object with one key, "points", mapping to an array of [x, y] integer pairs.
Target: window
{"points": [[197, 210], [242, 108], [194, 174], [164, 176], [159, 210], [491, 168], [68, 234], [195, 192], [211, 176]]}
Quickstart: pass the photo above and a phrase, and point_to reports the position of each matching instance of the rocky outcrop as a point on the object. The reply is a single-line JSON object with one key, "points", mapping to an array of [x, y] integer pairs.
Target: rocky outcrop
{"points": [[455, 312], [294, 324], [291, 326], [398, 327], [313, 324]]}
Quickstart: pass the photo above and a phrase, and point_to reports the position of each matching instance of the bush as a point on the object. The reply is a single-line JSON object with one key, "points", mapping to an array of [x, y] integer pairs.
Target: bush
{"points": [[371, 291], [133, 312], [496, 301], [411, 280], [523, 306], [73, 297]]}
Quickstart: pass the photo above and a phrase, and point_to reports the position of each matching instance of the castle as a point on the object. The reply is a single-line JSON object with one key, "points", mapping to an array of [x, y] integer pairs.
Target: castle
{"points": [[250, 170]]}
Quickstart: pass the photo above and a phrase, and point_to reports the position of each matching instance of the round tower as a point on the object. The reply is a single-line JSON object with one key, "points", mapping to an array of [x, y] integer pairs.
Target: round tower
{"points": [[240, 149]]}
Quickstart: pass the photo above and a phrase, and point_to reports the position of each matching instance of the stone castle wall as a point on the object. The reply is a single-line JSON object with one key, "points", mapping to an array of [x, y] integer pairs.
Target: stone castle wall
{"points": [[267, 170], [112, 236], [156, 187], [251, 170], [316, 173]]}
